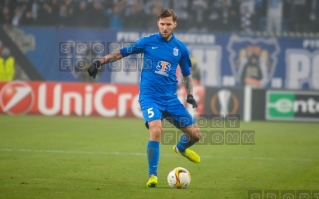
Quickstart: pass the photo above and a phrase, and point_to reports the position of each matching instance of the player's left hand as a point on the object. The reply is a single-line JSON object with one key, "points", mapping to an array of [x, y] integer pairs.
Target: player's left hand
{"points": [[190, 99], [94, 68]]}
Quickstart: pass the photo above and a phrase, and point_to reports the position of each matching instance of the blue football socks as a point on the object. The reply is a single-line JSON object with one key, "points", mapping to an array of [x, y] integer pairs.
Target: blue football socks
{"points": [[153, 157], [184, 143]]}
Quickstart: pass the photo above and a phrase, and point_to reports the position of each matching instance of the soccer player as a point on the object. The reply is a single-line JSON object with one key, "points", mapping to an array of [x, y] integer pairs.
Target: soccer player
{"points": [[163, 52]]}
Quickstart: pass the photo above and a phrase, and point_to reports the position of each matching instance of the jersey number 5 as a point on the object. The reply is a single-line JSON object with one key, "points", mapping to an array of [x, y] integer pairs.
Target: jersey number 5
{"points": [[150, 112]]}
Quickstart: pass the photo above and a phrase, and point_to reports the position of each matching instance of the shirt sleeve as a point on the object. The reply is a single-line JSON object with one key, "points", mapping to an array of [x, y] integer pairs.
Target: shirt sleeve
{"points": [[185, 62], [135, 48]]}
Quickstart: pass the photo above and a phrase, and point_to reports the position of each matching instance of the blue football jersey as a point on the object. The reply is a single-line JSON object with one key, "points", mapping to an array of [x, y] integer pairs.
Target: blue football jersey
{"points": [[160, 61]]}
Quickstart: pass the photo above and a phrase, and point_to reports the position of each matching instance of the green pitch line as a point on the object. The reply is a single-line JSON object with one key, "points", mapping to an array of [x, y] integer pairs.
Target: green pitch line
{"points": [[168, 155]]}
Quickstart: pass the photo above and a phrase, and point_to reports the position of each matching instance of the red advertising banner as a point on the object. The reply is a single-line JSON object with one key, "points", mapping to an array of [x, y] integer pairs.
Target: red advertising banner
{"points": [[52, 98], [79, 99]]}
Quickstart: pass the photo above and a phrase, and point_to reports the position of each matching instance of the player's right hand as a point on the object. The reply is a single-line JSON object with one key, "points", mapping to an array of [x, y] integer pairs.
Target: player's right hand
{"points": [[190, 99], [94, 68]]}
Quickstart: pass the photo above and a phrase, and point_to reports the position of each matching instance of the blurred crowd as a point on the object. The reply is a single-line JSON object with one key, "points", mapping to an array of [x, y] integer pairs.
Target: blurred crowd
{"points": [[193, 15]]}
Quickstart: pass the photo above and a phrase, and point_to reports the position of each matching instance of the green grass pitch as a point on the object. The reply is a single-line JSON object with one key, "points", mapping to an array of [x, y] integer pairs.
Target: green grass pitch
{"points": [[78, 157]]}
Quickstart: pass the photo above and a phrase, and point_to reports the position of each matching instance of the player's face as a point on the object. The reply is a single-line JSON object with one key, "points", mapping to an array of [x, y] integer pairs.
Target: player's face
{"points": [[166, 27]]}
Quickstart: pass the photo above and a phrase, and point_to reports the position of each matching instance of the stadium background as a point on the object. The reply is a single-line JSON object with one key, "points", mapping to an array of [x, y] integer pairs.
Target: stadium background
{"points": [[46, 45], [56, 40]]}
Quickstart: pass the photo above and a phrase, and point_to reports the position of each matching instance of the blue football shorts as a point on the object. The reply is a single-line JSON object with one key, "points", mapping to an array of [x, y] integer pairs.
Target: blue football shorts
{"points": [[170, 109]]}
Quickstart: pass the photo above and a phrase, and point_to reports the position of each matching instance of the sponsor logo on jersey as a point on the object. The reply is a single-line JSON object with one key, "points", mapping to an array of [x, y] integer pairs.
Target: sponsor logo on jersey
{"points": [[163, 68]]}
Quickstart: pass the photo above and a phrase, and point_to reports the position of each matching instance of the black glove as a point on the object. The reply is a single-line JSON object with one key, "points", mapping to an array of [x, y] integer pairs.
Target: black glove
{"points": [[190, 99], [94, 68]]}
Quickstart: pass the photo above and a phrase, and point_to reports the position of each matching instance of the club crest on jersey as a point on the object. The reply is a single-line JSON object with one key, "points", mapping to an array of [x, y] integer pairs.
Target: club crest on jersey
{"points": [[175, 51], [163, 68]]}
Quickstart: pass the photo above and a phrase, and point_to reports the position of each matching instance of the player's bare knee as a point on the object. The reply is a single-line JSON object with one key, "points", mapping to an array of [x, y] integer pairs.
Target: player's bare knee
{"points": [[156, 130], [155, 133]]}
